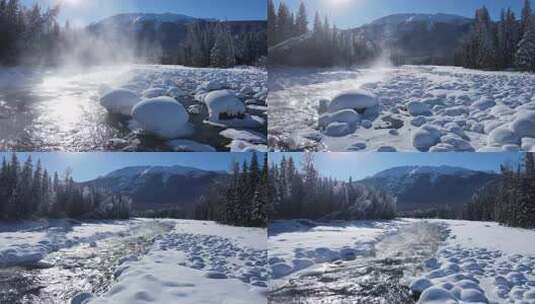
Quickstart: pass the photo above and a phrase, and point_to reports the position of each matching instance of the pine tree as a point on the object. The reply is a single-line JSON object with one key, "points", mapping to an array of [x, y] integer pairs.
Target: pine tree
{"points": [[525, 56], [301, 20], [223, 53], [527, 14], [272, 24]]}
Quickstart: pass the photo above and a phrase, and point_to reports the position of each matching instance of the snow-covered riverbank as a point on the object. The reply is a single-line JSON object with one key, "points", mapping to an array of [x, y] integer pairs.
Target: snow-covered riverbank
{"points": [[158, 260], [92, 109], [449, 261], [425, 108]]}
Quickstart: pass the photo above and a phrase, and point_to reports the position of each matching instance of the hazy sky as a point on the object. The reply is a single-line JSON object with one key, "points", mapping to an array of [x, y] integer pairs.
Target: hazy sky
{"points": [[87, 166], [352, 13], [83, 12], [360, 165]]}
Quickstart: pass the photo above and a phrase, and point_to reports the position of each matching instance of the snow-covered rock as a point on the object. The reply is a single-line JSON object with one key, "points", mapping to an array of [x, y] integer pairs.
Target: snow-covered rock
{"points": [[524, 124], [417, 108], [425, 137], [175, 92], [245, 135], [349, 116], [154, 92], [419, 285], [224, 105], [337, 129], [483, 104], [358, 100], [120, 101], [186, 145], [502, 136], [162, 116]]}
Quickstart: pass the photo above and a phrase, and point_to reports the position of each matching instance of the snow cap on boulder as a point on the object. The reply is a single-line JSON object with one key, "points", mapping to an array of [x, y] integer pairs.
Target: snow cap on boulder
{"points": [[120, 101], [224, 105], [358, 100], [162, 116], [524, 124]]}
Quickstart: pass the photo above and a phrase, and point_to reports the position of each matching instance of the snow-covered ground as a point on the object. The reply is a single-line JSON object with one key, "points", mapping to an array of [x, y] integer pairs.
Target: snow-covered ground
{"points": [[481, 263], [425, 108], [153, 107], [300, 244], [464, 262], [184, 262]]}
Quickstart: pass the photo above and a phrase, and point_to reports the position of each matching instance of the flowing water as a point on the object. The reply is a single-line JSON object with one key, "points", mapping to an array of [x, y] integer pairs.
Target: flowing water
{"points": [[85, 268], [52, 110], [379, 279]]}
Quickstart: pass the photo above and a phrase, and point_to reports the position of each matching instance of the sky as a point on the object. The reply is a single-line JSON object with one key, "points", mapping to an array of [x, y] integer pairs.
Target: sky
{"points": [[342, 165], [353, 13], [84, 12], [88, 166]]}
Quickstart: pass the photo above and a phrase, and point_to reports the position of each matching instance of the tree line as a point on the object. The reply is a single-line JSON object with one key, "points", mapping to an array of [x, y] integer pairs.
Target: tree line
{"points": [[321, 45], [213, 44], [25, 31], [508, 43], [242, 199], [305, 194], [510, 200], [33, 36], [27, 190]]}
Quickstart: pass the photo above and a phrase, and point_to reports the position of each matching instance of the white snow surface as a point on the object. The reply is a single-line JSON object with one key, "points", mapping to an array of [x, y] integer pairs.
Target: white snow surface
{"points": [[481, 262], [431, 108], [28, 243], [296, 245], [197, 262], [477, 262], [190, 262]]}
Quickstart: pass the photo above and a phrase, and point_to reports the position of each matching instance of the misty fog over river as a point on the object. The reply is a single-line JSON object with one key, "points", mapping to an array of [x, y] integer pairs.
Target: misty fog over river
{"points": [[59, 110]]}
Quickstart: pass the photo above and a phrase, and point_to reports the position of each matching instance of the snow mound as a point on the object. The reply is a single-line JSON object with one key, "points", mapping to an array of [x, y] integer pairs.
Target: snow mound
{"points": [[186, 145], [162, 116], [244, 135], [425, 137], [338, 129], [119, 101], [503, 136], [224, 105], [417, 108], [154, 92], [349, 116], [358, 100], [524, 124]]}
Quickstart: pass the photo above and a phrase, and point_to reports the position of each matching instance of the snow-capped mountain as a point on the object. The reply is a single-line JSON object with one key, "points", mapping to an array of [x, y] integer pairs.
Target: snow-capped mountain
{"points": [[162, 34], [140, 18], [416, 38], [159, 186], [422, 187], [397, 19]]}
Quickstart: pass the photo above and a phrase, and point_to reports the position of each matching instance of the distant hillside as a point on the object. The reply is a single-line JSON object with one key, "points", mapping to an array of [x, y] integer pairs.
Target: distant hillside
{"points": [[159, 187], [430, 187], [161, 35]]}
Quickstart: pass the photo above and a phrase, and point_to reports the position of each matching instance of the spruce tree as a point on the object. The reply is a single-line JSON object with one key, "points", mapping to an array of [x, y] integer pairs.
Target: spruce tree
{"points": [[525, 56], [301, 19]]}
